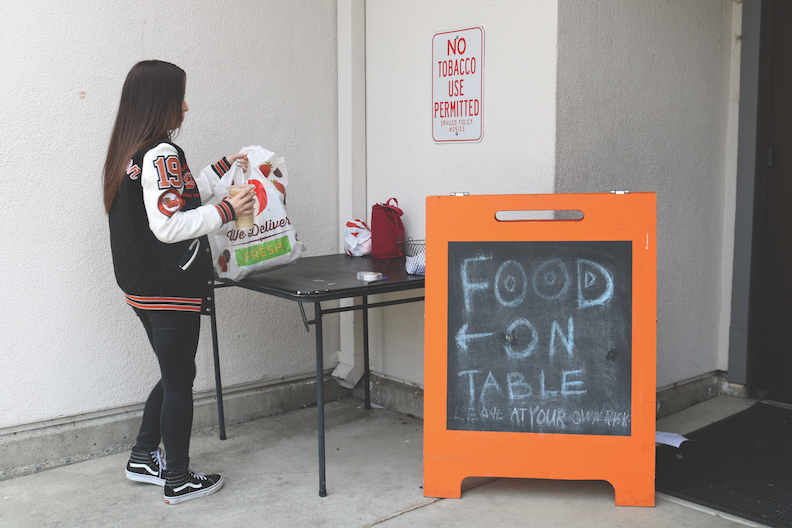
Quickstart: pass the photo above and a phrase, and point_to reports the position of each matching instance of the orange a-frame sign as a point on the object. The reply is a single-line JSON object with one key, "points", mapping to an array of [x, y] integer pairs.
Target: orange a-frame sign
{"points": [[540, 341]]}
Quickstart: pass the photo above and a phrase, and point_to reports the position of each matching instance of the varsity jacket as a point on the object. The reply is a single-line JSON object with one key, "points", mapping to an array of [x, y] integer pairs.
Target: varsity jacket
{"points": [[158, 227]]}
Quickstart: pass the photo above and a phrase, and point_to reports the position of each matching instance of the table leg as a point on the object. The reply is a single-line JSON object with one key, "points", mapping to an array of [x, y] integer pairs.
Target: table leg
{"points": [[218, 383], [366, 352], [320, 396]]}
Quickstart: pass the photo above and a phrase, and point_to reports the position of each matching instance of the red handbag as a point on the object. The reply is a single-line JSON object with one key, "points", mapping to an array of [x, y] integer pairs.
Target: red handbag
{"points": [[386, 230]]}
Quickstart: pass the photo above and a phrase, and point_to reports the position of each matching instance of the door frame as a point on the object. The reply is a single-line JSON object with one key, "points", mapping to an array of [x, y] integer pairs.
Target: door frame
{"points": [[750, 216], [745, 268]]}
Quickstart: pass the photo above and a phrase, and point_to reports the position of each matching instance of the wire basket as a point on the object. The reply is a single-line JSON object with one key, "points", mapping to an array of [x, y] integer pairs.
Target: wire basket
{"points": [[415, 256]]}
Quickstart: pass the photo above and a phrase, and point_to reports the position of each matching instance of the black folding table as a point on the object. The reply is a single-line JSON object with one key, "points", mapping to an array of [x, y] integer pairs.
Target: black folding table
{"points": [[314, 280]]}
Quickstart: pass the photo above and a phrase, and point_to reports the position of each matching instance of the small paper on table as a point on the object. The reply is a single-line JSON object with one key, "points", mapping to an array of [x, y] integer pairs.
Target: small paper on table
{"points": [[671, 439]]}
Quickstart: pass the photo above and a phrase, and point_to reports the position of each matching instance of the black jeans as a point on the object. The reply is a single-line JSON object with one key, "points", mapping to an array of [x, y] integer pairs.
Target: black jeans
{"points": [[168, 413]]}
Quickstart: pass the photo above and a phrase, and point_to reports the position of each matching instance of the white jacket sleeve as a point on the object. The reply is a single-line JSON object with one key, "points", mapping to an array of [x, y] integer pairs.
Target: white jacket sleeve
{"points": [[163, 185], [208, 178]]}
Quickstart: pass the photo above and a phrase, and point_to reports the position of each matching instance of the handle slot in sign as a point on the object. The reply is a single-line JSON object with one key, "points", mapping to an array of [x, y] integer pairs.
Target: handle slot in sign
{"points": [[542, 215]]}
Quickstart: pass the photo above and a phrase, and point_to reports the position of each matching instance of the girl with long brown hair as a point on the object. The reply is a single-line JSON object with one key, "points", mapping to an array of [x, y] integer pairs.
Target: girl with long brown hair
{"points": [[159, 215]]}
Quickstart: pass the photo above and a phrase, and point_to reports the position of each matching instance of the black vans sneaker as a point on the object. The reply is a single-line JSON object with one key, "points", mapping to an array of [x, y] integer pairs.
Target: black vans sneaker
{"points": [[146, 467], [190, 485]]}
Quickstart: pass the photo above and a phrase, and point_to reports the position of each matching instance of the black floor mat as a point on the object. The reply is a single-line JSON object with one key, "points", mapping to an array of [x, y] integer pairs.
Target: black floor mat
{"points": [[741, 465]]}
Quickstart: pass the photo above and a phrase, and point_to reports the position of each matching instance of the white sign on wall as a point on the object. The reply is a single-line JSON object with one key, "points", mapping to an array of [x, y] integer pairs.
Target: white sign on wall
{"points": [[458, 85]]}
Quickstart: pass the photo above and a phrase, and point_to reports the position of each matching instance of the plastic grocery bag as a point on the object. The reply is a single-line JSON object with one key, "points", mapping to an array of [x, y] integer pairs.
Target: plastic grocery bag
{"points": [[357, 238], [272, 241], [416, 264]]}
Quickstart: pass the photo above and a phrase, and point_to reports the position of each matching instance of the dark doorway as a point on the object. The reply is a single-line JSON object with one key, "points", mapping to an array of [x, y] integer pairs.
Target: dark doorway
{"points": [[770, 330]]}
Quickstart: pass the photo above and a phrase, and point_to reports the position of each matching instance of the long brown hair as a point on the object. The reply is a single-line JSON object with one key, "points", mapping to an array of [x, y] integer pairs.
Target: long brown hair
{"points": [[150, 110]]}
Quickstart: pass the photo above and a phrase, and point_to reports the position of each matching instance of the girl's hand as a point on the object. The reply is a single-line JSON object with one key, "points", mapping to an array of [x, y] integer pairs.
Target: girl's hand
{"points": [[243, 203], [241, 159]]}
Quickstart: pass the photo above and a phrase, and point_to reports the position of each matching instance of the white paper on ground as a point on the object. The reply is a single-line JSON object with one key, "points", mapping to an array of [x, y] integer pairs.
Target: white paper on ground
{"points": [[671, 439]]}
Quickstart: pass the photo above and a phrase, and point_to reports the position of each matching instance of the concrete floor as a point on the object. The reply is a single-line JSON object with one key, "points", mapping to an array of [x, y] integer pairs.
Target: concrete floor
{"points": [[374, 477]]}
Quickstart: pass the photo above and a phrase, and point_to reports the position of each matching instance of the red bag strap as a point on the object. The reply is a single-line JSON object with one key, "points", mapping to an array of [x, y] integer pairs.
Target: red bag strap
{"points": [[394, 207]]}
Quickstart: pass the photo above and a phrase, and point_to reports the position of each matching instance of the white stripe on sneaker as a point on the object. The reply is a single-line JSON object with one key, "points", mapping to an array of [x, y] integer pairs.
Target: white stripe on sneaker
{"points": [[144, 466], [188, 485]]}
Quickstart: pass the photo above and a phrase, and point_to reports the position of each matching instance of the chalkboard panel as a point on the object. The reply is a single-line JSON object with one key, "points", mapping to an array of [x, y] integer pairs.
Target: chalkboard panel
{"points": [[540, 337]]}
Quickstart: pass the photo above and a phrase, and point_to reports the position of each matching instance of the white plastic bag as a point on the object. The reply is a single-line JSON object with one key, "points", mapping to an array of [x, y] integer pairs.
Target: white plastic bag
{"points": [[416, 265], [272, 241], [357, 238]]}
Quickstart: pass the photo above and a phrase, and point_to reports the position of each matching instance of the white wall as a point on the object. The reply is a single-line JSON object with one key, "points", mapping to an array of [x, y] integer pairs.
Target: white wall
{"points": [[644, 101], [257, 73], [647, 98], [515, 156]]}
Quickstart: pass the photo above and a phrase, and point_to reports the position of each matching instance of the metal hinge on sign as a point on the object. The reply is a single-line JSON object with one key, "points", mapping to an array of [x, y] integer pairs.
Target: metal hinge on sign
{"points": [[620, 192], [770, 157]]}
